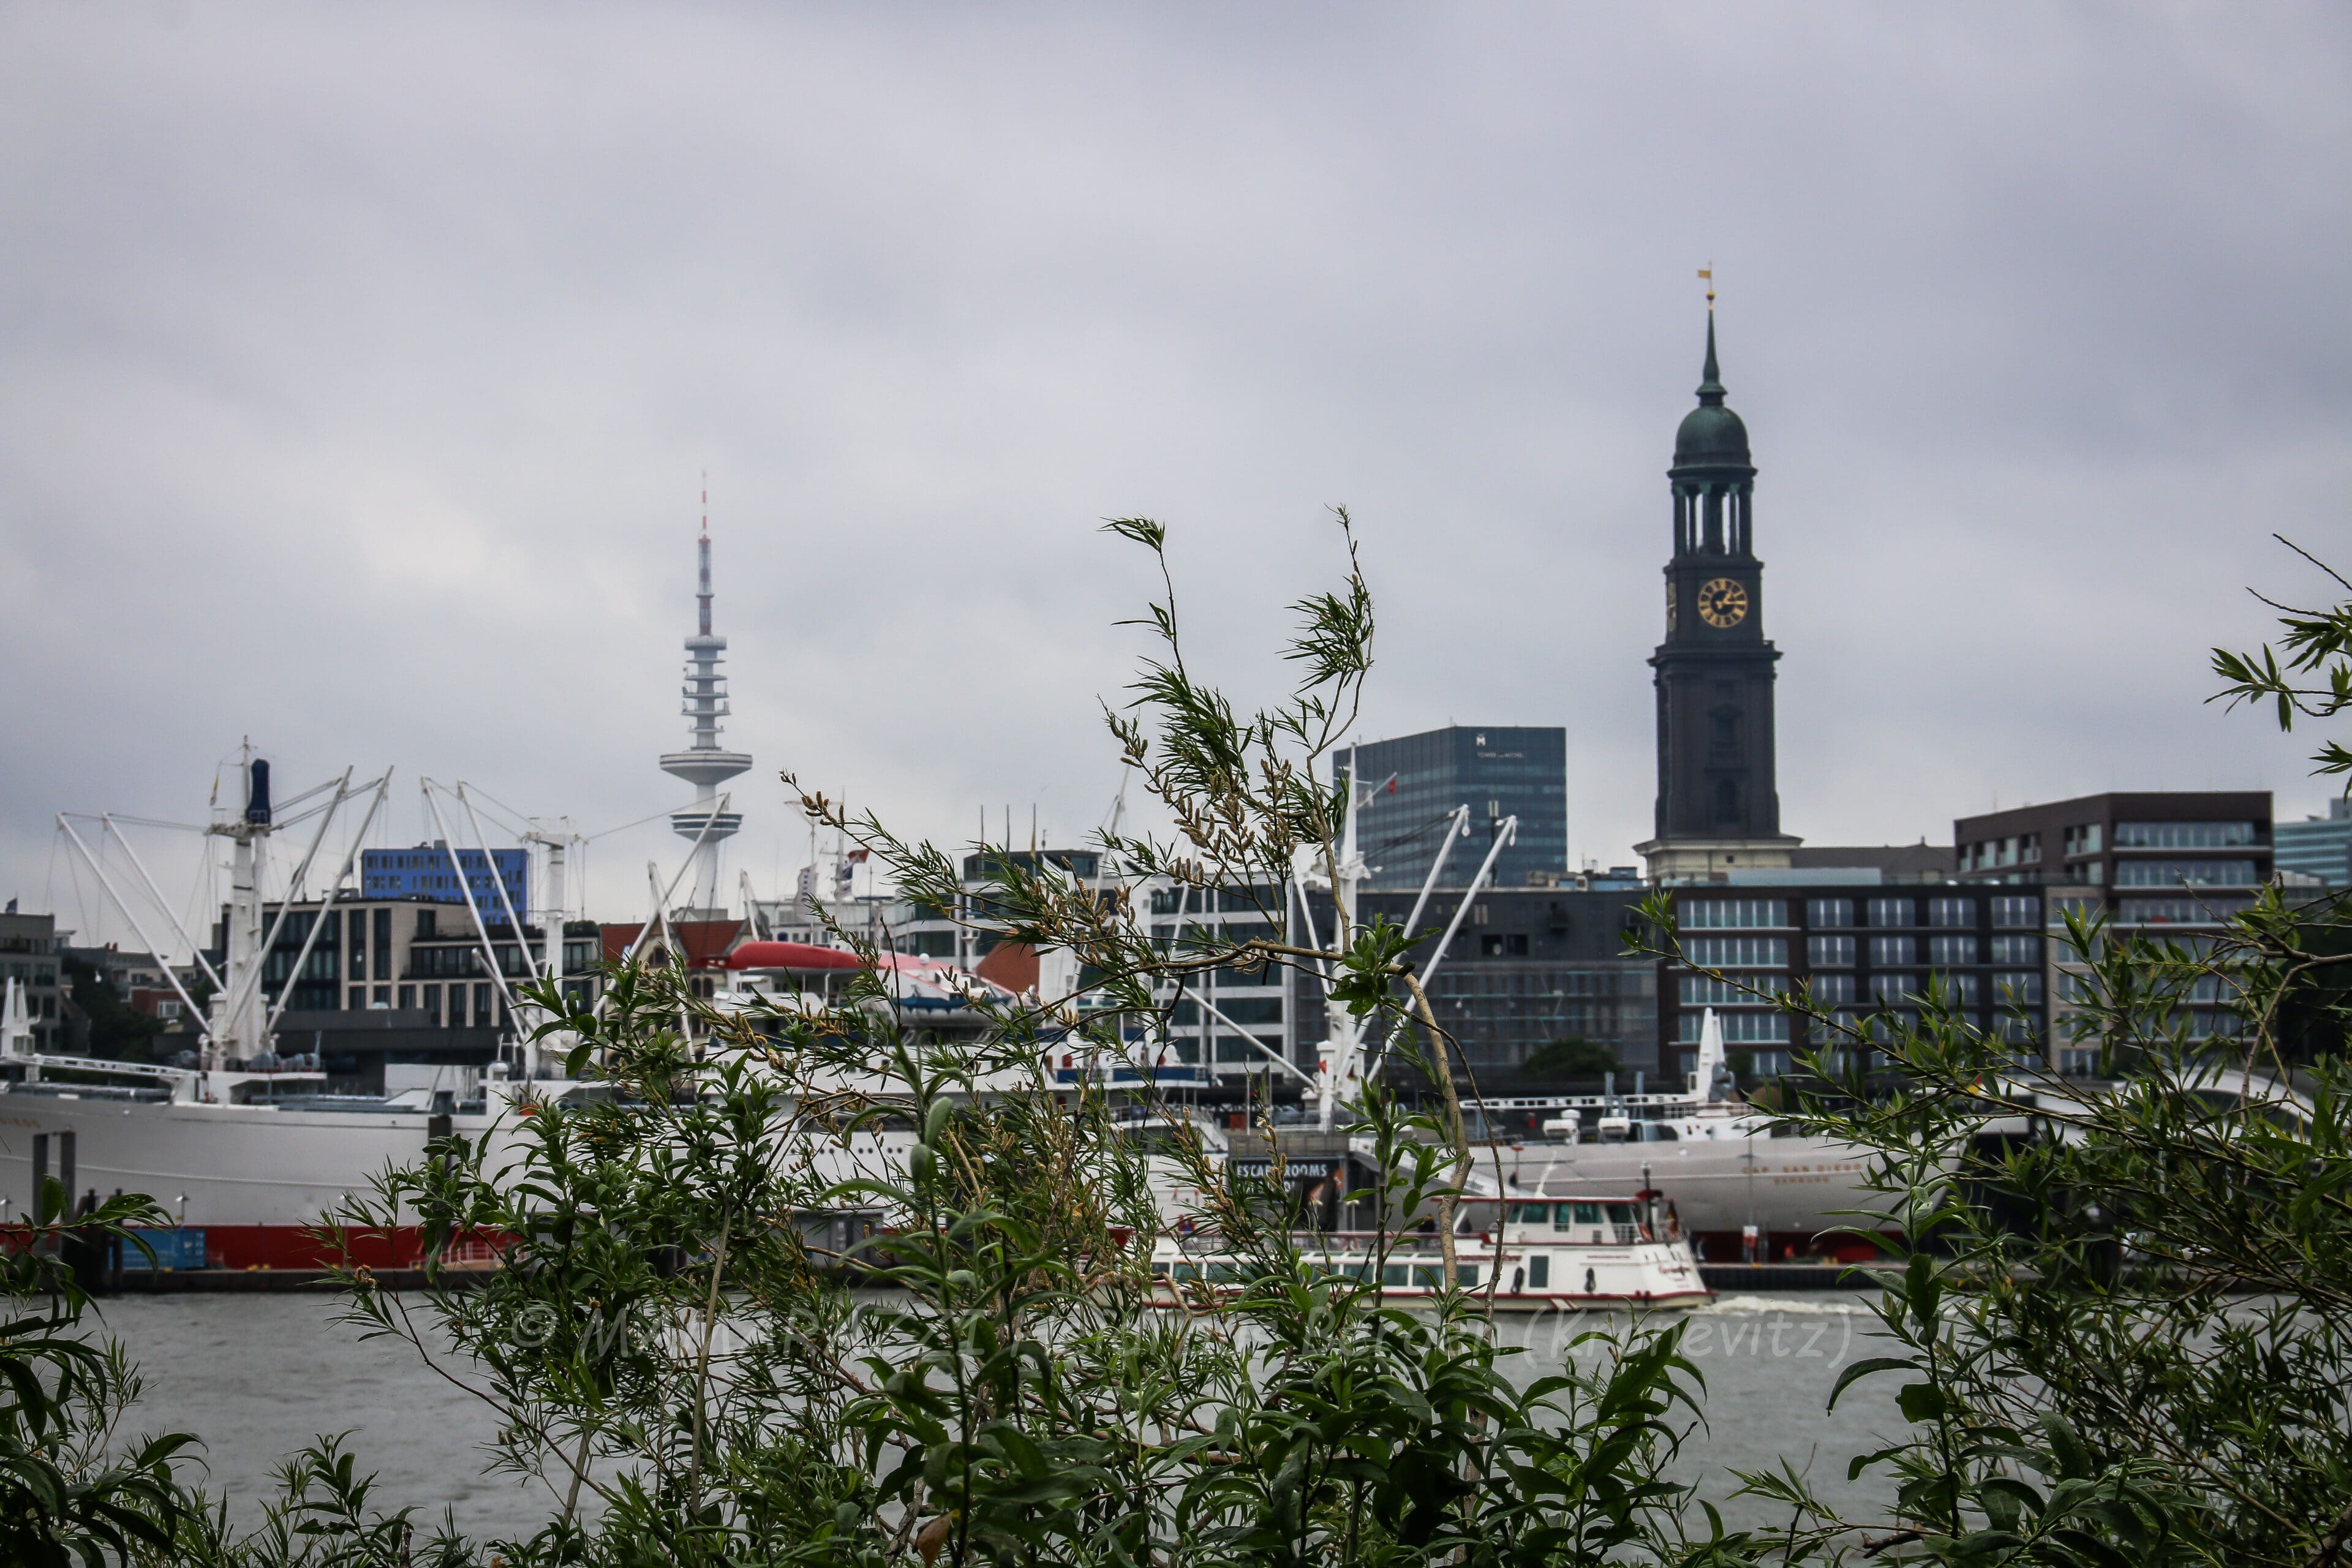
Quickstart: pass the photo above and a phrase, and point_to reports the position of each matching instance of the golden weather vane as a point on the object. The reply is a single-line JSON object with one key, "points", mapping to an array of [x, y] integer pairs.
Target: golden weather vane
{"points": [[1707, 273]]}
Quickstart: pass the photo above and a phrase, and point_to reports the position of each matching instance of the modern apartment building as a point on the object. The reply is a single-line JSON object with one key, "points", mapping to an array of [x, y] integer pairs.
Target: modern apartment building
{"points": [[2136, 846], [1874, 954]]}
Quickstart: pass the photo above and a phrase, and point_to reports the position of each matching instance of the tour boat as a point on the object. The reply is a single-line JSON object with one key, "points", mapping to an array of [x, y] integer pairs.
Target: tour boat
{"points": [[1610, 1252]]}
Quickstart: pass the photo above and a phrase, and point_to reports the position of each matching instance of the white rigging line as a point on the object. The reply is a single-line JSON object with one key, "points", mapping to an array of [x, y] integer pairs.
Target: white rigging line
{"points": [[138, 930], [153, 892], [513, 816], [327, 905], [481, 932], [640, 822], [514, 922]]}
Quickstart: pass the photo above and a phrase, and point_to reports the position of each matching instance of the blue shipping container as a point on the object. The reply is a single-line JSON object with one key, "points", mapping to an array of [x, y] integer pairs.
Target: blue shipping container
{"points": [[174, 1250]]}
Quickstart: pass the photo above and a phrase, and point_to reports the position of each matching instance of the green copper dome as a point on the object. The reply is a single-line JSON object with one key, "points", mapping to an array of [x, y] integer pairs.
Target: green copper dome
{"points": [[1711, 433]]}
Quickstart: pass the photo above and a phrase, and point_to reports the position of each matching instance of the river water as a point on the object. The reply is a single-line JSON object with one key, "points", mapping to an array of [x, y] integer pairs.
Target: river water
{"points": [[259, 1376]]}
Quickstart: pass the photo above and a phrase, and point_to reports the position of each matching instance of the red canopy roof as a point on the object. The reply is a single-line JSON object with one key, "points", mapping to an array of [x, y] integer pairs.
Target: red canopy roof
{"points": [[790, 956]]}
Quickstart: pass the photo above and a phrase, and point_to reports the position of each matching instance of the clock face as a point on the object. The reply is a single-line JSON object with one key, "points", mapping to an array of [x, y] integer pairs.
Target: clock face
{"points": [[1722, 602]]}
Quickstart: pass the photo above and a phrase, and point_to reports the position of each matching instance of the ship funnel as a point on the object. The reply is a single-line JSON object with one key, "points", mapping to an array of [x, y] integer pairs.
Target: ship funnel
{"points": [[256, 792]]}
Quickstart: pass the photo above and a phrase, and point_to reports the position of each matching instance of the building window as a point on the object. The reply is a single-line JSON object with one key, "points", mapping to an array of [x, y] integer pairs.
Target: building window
{"points": [[2185, 834], [1961, 912], [407, 998], [483, 1016], [2205, 911], [1826, 951], [380, 923], [1706, 990], [1944, 950], [1821, 913], [1738, 1027], [2093, 873], [432, 998], [1516, 944], [1737, 952], [1735, 914], [383, 996], [2015, 911], [357, 1000], [1893, 988], [1832, 987], [2195, 873], [2020, 989], [1890, 912], [1892, 950], [2017, 950], [2083, 840]]}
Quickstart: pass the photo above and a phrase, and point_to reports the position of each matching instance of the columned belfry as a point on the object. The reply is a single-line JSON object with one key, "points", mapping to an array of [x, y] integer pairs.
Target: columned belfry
{"points": [[1718, 805]]}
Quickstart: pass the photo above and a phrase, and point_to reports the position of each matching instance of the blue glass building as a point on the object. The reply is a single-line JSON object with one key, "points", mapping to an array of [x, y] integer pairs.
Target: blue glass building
{"points": [[2319, 846], [1496, 771], [424, 872]]}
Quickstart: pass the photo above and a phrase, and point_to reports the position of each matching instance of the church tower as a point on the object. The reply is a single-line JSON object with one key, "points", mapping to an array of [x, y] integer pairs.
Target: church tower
{"points": [[1718, 807]]}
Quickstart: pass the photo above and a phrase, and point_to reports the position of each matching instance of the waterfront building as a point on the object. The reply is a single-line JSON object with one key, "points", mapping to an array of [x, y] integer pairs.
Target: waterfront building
{"points": [[1415, 783], [2150, 846], [370, 981], [701, 946], [1883, 863], [1528, 967], [430, 871], [2173, 865], [28, 955], [2319, 847], [1718, 805], [1871, 952]]}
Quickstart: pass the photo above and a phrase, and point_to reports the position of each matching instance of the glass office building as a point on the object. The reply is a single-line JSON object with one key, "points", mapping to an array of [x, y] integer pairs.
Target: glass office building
{"points": [[1416, 781]]}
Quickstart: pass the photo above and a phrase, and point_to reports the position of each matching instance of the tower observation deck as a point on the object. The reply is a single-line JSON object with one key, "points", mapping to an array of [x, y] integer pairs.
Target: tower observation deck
{"points": [[704, 763]]}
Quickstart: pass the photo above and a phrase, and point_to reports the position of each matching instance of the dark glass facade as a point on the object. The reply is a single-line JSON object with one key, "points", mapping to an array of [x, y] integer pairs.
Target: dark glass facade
{"points": [[1418, 781]]}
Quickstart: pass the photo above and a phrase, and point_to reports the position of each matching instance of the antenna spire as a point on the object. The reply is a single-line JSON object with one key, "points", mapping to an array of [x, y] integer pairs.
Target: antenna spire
{"points": [[702, 550]]}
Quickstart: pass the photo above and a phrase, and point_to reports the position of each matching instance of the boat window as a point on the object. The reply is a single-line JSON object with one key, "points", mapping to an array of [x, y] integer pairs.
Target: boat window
{"points": [[1427, 1276], [1188, 1271], [1159, 1271], [1620, 1213], [1468, 1272], [1659, 1132], [1586, 1213], [1222, 1274], [1539, 1270], [1394, 1274], [1530, 1214]]}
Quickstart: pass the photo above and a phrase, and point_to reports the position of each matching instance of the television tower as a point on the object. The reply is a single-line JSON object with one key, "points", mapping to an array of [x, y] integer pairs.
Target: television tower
{"points": [[703, 764]]}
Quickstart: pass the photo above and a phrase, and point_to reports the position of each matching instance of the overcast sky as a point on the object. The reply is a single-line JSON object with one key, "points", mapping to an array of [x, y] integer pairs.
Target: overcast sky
{"points": [[360, 365]]}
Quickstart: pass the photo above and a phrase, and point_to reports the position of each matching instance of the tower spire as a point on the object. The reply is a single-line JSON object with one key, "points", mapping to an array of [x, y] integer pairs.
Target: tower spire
{"points": [[702, 549], [705, 764], [1710, 386]]}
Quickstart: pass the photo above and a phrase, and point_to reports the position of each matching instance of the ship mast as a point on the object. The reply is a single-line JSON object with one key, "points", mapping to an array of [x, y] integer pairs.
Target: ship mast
{"points": [[236, 1030]]}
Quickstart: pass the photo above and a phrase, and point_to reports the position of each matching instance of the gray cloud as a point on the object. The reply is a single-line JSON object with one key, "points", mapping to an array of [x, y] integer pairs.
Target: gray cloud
{"points": [[361, 364]]}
